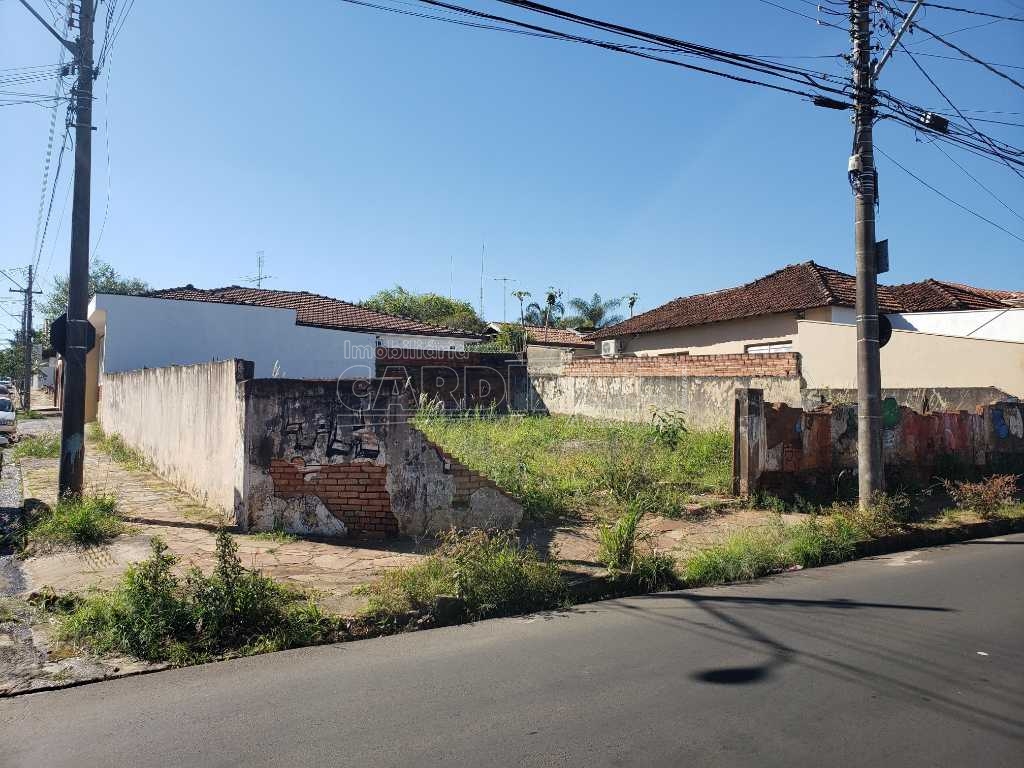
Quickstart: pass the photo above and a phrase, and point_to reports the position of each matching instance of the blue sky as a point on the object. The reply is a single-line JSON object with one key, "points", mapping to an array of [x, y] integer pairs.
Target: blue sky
{"points": [[361, 149]]}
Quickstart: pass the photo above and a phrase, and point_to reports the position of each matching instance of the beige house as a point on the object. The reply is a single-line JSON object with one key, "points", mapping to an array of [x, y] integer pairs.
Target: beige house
{"points": [[946, 335]]}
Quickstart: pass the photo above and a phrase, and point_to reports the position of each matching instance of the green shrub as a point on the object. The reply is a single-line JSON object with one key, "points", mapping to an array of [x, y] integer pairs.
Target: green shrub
{"points": [[617, 542], [42, 446], [85, 521], [885, 514], [986, 497], [154, 615], [490, 573], [625, 549]]}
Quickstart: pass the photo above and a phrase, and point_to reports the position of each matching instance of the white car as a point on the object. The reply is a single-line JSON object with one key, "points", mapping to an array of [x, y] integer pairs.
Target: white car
{"points": [[8, 426]]}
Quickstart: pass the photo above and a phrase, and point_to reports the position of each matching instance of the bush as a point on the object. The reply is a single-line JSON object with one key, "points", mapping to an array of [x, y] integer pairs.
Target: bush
{"points": [[43, 446], [85, 521], [986, 497], [625, 549], [885, 514], [154, 615], [491, 574]]}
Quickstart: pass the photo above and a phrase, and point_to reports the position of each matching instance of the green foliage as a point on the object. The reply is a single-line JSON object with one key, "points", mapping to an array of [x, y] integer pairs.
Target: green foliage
{"points": [[235, 611], [625, 549], [103, 278], [85, 521], [754, 552], [490, 573], [595, 312], [117, 449], [668, 426], [30, 415], [279, 535], [42, 446], [557, 465], [986, 497], [426, 307], [510, 338]]}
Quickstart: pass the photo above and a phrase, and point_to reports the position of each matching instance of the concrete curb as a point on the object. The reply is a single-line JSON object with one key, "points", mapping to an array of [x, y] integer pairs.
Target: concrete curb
{"points": [[588, 589]]}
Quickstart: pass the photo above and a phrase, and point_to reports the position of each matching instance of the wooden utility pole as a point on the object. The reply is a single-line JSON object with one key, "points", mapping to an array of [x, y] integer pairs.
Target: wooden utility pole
{"points": [[72, 445], [863, 178], [26, 316]]}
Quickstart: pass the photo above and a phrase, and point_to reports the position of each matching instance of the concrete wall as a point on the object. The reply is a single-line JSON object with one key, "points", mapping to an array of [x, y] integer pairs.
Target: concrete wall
{"points": [[187, 420], [630, 388], [336, 458], [910, 360], [790, 451], [729, 337]]}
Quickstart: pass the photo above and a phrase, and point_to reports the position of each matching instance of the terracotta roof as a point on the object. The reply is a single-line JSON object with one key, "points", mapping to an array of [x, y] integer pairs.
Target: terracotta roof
{"points": [[551, 337], [311, 309], [805, 286]]}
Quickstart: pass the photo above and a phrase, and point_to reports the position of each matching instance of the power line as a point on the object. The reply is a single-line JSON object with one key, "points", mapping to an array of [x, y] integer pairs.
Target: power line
{"points": [[947, 197], [977, 181], [955, 109], [970, 11], [958, 49]]}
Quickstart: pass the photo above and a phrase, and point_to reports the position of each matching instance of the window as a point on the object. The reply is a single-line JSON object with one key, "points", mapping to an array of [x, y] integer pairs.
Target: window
{"points": [[771, 346]]}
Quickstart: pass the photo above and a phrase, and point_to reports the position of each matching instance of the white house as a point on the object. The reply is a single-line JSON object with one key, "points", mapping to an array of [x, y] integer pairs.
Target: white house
{"points": [[290, 334]]}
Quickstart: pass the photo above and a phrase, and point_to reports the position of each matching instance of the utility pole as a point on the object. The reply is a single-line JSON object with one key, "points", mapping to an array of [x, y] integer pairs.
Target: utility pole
{"points": [[863, 178], [72, 444], [26, 389]]}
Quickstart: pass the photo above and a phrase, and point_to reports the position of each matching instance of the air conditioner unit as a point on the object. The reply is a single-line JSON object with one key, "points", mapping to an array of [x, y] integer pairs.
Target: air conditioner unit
{"points": [[610, 348]]}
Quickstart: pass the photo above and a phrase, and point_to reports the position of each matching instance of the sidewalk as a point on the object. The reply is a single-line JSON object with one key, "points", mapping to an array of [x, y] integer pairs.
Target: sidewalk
{"points": [[326, 570]]}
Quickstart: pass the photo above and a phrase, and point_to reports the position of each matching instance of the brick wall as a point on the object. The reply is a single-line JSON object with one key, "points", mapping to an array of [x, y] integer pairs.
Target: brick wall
{"points": [[466, 480], [354, 493], [778, 364]]}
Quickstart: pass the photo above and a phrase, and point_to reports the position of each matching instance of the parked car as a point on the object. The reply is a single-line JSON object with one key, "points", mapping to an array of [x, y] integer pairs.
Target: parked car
{"points": [[8, 423]]}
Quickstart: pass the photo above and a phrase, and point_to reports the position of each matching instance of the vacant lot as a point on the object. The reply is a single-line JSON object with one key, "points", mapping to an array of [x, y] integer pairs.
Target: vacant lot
{"points": [[559, 465]]}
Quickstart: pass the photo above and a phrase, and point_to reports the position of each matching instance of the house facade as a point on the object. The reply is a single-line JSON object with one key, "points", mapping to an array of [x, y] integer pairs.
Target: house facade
{"points": [[763, 316], [286, 334]]}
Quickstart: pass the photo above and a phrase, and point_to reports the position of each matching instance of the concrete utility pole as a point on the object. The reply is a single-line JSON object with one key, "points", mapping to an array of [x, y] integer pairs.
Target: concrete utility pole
{"points": [[863, 178], [72, 444], [26, 390]]}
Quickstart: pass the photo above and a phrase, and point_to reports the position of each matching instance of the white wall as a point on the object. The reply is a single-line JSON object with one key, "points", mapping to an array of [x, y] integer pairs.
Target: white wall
{"points": [[911, 360], [994, 324], [433, 343], [187, 420], [153, 333]]}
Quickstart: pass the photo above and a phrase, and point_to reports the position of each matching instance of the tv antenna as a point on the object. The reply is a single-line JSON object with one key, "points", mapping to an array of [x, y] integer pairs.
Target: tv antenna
{"points": [[259, 277]]}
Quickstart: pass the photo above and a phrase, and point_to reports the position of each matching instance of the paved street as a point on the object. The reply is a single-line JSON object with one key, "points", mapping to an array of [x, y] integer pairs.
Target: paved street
{"points": [[912, 659]]}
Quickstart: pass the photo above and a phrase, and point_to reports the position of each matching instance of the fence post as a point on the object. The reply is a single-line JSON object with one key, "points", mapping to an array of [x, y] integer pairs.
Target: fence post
{"points": [[748, 441]]}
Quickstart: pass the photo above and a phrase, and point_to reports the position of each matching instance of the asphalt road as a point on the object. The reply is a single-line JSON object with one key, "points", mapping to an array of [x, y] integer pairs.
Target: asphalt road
{"points": [[915, 659]]}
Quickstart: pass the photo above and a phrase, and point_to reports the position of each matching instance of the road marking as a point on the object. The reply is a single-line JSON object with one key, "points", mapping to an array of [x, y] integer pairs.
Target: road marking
{"points": [[981, 653]]}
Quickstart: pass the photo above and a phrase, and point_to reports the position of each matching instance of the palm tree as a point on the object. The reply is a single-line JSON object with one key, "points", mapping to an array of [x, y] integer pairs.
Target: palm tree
{"points": [[595, 313], [631, 302], [537, 314], [520, 295]]}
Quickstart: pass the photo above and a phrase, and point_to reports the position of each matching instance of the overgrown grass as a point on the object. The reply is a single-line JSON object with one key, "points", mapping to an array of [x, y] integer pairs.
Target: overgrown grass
{"points": [[486, 574], [755, 552], [155, 615], [89, 520], [986, 497], [559, 465], [30, 415], [278, 536], [44, 446], [118, 449]]}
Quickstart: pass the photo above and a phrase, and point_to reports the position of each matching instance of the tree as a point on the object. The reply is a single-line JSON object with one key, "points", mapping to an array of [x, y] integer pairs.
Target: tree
{"points": [[511, 338], [595, 313], [426, 307], [631, 302], [103, 278], [547, 314], [521, 295]]}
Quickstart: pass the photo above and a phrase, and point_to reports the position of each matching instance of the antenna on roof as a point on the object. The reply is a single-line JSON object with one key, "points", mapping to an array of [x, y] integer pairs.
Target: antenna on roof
{"points": [[259, 277], [504, 295], [483, 249]]}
